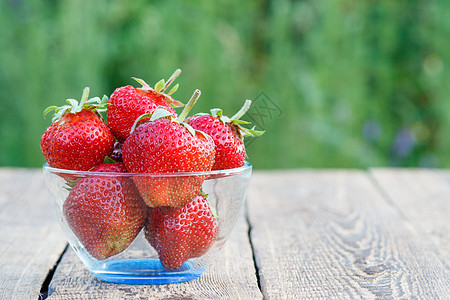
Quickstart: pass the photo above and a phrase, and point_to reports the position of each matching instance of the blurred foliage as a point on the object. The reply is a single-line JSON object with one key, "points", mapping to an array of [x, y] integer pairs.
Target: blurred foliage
{"points": [[335, 83]]}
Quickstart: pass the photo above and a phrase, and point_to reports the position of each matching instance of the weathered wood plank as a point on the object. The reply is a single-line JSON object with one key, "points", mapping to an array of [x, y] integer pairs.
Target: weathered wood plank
{"points": [[331, 234], [232, 276], [30, 239], [423, 197]]}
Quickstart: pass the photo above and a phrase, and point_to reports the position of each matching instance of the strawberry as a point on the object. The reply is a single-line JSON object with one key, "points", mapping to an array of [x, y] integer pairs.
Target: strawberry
{"points": [[127, 103], [105, 213], [228, 135], [168, 145], [78, 139], [181, 233], [116, 154]]}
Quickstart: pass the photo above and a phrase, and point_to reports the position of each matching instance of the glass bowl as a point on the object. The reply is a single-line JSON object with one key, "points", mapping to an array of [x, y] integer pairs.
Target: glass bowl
{"points": [[135, 258]]}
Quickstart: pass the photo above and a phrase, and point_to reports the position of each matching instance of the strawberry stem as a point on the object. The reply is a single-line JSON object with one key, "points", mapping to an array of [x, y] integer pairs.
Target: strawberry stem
{"points": [[85, 96], [189, 106], [242, 111], [171, 79]]}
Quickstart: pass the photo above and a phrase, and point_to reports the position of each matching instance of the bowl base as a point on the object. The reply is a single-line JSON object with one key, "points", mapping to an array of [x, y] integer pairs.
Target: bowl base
{"points": [[145, 271]]}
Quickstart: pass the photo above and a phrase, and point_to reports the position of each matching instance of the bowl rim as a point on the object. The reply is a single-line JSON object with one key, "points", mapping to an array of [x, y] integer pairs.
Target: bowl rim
{"points": [[226, 172]]}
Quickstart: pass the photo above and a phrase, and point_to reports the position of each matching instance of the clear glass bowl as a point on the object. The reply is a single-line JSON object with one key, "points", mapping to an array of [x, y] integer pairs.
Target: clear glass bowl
{"points": [[139, 263]]}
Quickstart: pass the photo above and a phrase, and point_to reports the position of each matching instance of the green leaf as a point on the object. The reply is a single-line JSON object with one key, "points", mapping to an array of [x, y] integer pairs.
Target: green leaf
{"points": [[203, 133], [103, 104], [95, 100], [109, 160], [49, 109], [216, 112], [60, 111], [76, 109], [172, 102], [104, 100], [70, 184], [190, 128], [72, 102], [159, 113], [144, 84], [225, 119], [240, 122], [251, 132], [159, 85], [143, 116], [174, 89], [213, 210]]}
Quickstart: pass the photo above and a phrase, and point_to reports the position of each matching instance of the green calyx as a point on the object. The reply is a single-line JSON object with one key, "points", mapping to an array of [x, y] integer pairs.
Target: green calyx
{"points": [[73, 106], [235, 121], [213, 210], [70, 184], [161, 112], [109, 160], [161, 86]]}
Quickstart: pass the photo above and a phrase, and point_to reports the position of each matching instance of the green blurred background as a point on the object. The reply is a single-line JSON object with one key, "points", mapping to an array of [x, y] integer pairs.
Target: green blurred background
{"points": [[335, 83]]}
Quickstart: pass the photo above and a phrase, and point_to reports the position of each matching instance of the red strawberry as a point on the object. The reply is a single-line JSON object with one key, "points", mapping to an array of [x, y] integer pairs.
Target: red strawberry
{"points": [[228, 136], [168, 145], [181, 233], [79, 138], [105, 213], [127, 103]]}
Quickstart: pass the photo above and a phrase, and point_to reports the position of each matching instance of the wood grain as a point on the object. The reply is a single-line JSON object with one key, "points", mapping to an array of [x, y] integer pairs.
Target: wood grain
{"points": [[423, 198], [332, 234], [232, 276], [338, 234], [30, 239]]}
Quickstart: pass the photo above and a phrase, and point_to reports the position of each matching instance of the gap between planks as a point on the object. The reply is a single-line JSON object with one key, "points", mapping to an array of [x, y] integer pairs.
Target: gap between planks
{"points": [[43, 294], [249, 232], [231, 276]]}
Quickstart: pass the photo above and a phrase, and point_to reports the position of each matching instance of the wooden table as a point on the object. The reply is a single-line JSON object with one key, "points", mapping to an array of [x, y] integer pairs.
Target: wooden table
{"points": [[382, 233]]}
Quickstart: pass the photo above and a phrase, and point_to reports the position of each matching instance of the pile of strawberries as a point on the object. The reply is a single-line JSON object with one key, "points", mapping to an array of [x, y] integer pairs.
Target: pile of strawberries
{"points": [[143, 134]]}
